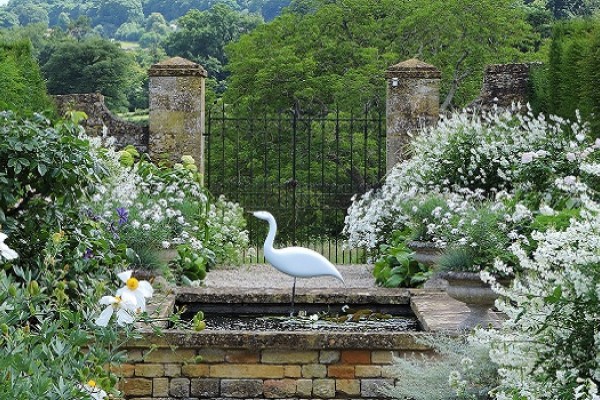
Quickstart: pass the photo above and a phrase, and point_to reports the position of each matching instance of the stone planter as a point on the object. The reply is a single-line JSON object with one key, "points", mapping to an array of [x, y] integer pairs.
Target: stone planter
{"points": [[429, 254], [425, 252], [477, 295]]}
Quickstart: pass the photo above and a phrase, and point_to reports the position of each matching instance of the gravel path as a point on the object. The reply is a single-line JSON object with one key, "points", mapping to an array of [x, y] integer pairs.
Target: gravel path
{"points": [[265, 276]]}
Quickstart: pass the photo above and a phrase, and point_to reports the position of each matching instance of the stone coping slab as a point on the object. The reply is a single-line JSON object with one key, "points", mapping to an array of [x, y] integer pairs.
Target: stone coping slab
{"points": [[439, 313], [303, 295], [274, 340]]}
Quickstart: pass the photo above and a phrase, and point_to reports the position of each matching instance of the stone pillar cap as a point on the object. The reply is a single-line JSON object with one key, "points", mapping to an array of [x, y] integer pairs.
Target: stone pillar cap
{"points": [[413, 68], [177, 66]]}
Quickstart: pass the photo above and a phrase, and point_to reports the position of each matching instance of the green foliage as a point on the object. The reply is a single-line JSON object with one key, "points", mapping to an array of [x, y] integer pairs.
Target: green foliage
{"points": [[44, 169], [475, 240], [460, 369], [421, 212], [559, 221], [561, 9], [565, 86], [192, 263], [88, 66], [336, 52], [293, 160], [269, 9], [21, 84], [397, 267], [110, 14], [50, 345], [201, 36], [8, 19], [43, 334]]}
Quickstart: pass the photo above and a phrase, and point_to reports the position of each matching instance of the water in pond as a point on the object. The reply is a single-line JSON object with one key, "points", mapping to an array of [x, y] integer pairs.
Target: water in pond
{"points": [[309, 318], [387, 323]]}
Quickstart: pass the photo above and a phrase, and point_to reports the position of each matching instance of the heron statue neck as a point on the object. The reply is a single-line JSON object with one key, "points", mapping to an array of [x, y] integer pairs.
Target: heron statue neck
{"points": [[268, 247]]}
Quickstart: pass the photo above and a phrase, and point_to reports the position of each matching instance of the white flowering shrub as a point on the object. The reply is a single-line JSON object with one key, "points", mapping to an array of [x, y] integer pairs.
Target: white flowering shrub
{"points": [[155, 208], [549, 346], [503, 161]]}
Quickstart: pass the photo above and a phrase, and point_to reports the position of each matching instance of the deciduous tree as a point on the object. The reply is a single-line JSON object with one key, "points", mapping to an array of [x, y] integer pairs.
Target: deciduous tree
{"points": [[324, 52], [201, 36], [88, 66]]}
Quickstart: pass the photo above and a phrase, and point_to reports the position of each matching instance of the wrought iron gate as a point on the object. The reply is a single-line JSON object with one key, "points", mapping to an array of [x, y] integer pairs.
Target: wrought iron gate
{"points": [[303, 169]]}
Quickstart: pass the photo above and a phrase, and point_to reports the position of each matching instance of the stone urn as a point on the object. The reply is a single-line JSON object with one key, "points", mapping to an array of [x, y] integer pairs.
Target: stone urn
{"points": [[429, 254], [425, 252], [477, 295]]}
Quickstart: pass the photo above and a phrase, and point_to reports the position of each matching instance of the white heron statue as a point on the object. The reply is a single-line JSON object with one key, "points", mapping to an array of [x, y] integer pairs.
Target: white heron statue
{"points": [[298, 262]]}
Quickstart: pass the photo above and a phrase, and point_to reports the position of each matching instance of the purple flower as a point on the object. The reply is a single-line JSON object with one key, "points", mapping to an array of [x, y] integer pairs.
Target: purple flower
{"points": [[88, 254], [123, 215]]}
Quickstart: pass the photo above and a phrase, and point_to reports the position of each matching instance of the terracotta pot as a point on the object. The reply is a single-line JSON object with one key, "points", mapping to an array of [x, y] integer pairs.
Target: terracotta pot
{"points": [[477, 295]]}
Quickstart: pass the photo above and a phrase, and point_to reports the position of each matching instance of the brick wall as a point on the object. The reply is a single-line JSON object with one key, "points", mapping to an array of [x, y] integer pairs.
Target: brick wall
{"points": [[166, 373]]}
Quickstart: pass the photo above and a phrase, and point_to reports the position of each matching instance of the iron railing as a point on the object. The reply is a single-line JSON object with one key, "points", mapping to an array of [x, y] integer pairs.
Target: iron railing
{"points": [[303, 169]]}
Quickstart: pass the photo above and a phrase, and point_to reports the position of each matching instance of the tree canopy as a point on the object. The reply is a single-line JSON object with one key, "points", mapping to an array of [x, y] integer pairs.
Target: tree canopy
{"points": [[201, 36], [21, 84], [108, 15], [323, 52], [88, 66]]}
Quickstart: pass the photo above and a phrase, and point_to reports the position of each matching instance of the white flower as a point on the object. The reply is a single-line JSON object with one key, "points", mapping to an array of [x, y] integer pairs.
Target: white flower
{"points": [[546, 210], [5, 251], [93, 390], [570, 180], [527, 157], [125, 304], [165, 244], [139, 289], [571, 156], [314, 317]]}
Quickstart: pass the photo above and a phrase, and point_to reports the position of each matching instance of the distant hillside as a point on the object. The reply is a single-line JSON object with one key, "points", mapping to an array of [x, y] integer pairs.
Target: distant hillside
{"points": [[106, 16]]}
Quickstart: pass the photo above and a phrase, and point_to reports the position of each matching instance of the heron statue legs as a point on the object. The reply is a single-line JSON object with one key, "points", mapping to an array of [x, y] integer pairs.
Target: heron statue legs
{"points": [[293, 296]]}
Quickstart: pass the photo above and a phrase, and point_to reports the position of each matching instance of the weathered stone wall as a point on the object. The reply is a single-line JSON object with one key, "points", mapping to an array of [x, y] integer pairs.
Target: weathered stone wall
{"points": [[100, 120], [177, 108], [252, 371], [504, 85]]}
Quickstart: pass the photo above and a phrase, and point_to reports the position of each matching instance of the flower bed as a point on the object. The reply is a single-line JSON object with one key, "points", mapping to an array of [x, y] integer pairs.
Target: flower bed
{"points": [[504, 195], [75, 218]]}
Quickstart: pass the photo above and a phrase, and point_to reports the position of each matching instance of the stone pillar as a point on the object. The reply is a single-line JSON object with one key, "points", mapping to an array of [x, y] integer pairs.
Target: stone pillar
{"points": [[177, 113], [413, 102]]}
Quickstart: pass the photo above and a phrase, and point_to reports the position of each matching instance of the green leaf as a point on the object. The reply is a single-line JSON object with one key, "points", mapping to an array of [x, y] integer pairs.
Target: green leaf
{"points": [[555, 296], [394, 281], [42, 169]]}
